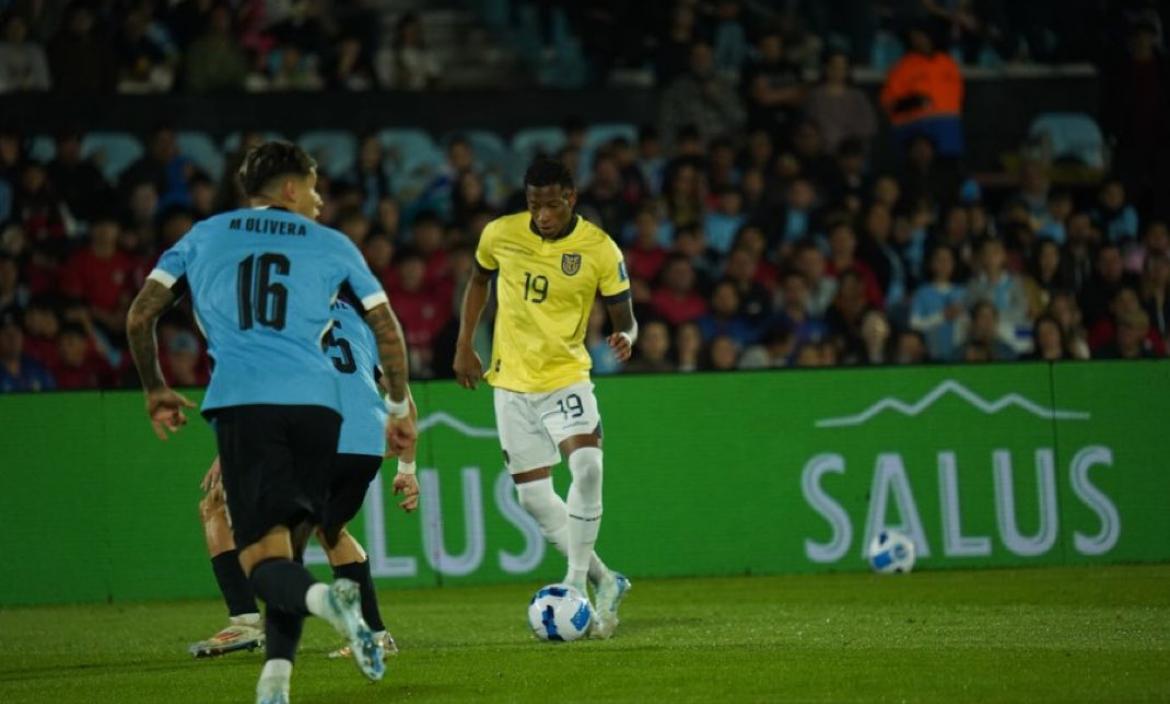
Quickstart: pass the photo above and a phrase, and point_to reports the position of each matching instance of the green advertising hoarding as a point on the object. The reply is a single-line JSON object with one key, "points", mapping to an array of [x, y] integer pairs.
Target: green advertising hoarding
{"points": [[711, 474]]}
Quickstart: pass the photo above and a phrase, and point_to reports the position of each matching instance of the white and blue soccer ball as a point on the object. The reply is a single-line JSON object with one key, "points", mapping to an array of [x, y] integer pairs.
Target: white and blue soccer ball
{"points": [[890, 552], [559, 613]]}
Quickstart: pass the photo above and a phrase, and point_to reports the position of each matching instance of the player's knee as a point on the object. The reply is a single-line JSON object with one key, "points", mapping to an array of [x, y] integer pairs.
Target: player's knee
{"points": [[585, 465], [535, 497]]}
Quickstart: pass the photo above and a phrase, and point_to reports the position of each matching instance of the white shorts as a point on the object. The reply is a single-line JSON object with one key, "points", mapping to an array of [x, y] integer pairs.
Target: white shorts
{"points": [[532, 426]]}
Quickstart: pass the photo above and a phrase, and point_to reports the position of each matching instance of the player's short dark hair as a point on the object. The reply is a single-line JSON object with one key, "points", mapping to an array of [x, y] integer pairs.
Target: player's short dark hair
{"points": [[271, 160], [548, 172]]}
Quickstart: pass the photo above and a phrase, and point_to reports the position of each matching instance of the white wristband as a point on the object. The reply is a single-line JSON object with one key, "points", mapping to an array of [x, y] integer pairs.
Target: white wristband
{"points": [[628, 337], [398, 409], [405, 467]]}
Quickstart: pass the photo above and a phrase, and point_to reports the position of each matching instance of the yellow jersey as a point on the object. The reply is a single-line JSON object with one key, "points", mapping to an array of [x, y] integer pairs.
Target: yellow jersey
{"points": [[545, 292]]}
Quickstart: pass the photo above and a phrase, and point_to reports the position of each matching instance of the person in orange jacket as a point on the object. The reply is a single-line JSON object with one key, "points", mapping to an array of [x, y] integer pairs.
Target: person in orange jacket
{"points": [[923, 95]]}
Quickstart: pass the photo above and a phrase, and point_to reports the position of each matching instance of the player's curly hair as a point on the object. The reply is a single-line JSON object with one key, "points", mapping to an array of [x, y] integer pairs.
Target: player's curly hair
{"points": [[271, 160], [548, 172]]}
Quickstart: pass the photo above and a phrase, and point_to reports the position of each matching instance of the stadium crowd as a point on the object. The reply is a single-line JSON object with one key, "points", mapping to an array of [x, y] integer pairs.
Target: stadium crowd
{"points": [[756, 235]]}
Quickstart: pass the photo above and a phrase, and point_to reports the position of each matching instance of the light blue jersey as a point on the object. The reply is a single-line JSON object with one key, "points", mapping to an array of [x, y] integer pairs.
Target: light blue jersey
{"points": [[351, 346], [263, 281]]}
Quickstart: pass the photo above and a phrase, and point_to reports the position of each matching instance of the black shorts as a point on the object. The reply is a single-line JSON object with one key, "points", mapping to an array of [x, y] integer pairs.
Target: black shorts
{"points": [[276, 462], [351, 479]]}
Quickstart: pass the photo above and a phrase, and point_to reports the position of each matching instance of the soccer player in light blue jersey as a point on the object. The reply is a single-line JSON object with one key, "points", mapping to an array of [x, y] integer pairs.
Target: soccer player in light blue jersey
{"points": [[262, 281]]}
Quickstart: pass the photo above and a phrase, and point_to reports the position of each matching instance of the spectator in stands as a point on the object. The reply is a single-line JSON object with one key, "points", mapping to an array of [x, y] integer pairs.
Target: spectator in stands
{"points": [[645, 256], [18, 372], [809, 150], [82, 61], [994, 284], [685, 194], [293, 70], [731, 44], [603, 201], [1064, 309], [1110, 276], [691, 243], [923, 95], [163, 167], [701, 98], [183, 363], [676, 299], [1155, 241], [13, 294], [38, 208], [42, 325], [408, 64], [388, 218], [843, 258], [349, 66], [800, 203], [937, 309], [78, 365], [794, 315], [423, 309], [354, 225], [146, 59], [1117, 219], [875, 342], [910, 348], [1155, 291], [426, 236], [1046, 276], [369, 174], [78, 180], [723, 222], [102, 276], [215, 63], [722, 354], [653, 349], [23, 64], [1052, 223], [1048, 337], [742, 269], [1103, 333], [724, 318], [840, 110], [822, 288], [987, 335], [688, 344], [844, 317], [1133, 338], [772, 86], [1078, 251], [877, 249], [774, 352]]}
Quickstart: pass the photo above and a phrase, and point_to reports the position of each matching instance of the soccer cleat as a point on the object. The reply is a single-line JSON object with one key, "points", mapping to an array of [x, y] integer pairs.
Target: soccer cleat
{"points": [[389, 647], [345, 607], [235, 637], [272, 691], [610, 592]]}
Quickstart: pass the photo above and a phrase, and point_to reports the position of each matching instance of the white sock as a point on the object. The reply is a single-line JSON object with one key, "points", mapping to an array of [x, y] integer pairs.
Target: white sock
{"points": [[245, 620], [275, 675], [317, 600], [551, 514], [584, 507]]}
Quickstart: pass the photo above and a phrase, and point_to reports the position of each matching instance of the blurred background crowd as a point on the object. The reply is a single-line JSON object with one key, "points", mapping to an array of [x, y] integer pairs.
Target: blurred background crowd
{"points": [[759, 229]]}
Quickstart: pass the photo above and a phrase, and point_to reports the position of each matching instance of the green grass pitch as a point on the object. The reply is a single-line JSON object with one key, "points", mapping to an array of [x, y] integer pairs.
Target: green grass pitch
{"points": [[1052, 635]]}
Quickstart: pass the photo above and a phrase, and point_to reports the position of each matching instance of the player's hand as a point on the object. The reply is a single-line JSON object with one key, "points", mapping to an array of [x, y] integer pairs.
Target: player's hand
{"points": [[620, 344], [394, 446], [165, 408], [212, 481], [468, 367], [406, 486], [400, 436]]}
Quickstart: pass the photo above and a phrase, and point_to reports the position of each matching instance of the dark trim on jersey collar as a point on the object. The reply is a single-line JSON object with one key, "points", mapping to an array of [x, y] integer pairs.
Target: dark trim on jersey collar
{"points": [[560, 236]]}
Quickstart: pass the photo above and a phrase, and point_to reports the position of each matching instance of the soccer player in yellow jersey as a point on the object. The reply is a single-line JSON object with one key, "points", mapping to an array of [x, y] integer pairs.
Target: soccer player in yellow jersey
{"points": [[551, 265]]}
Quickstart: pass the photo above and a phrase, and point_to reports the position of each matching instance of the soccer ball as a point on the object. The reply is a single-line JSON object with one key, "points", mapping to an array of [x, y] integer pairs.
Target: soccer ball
{"points": [[891, 551], [559, 613]]}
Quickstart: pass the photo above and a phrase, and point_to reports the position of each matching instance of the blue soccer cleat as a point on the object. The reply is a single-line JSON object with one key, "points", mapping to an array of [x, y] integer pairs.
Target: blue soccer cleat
{"points": [[608, 597]]}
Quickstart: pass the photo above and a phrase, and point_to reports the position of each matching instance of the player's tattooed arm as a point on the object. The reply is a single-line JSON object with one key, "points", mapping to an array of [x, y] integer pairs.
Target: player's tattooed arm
{"points": [[625, 327], [152, 301], [391, 350]]}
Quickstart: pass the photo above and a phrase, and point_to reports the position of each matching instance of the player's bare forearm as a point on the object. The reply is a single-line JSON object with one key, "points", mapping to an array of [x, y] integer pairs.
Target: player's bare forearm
{"points": [[474, 300], [391, 350], [152, 301], [621, 315]]}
